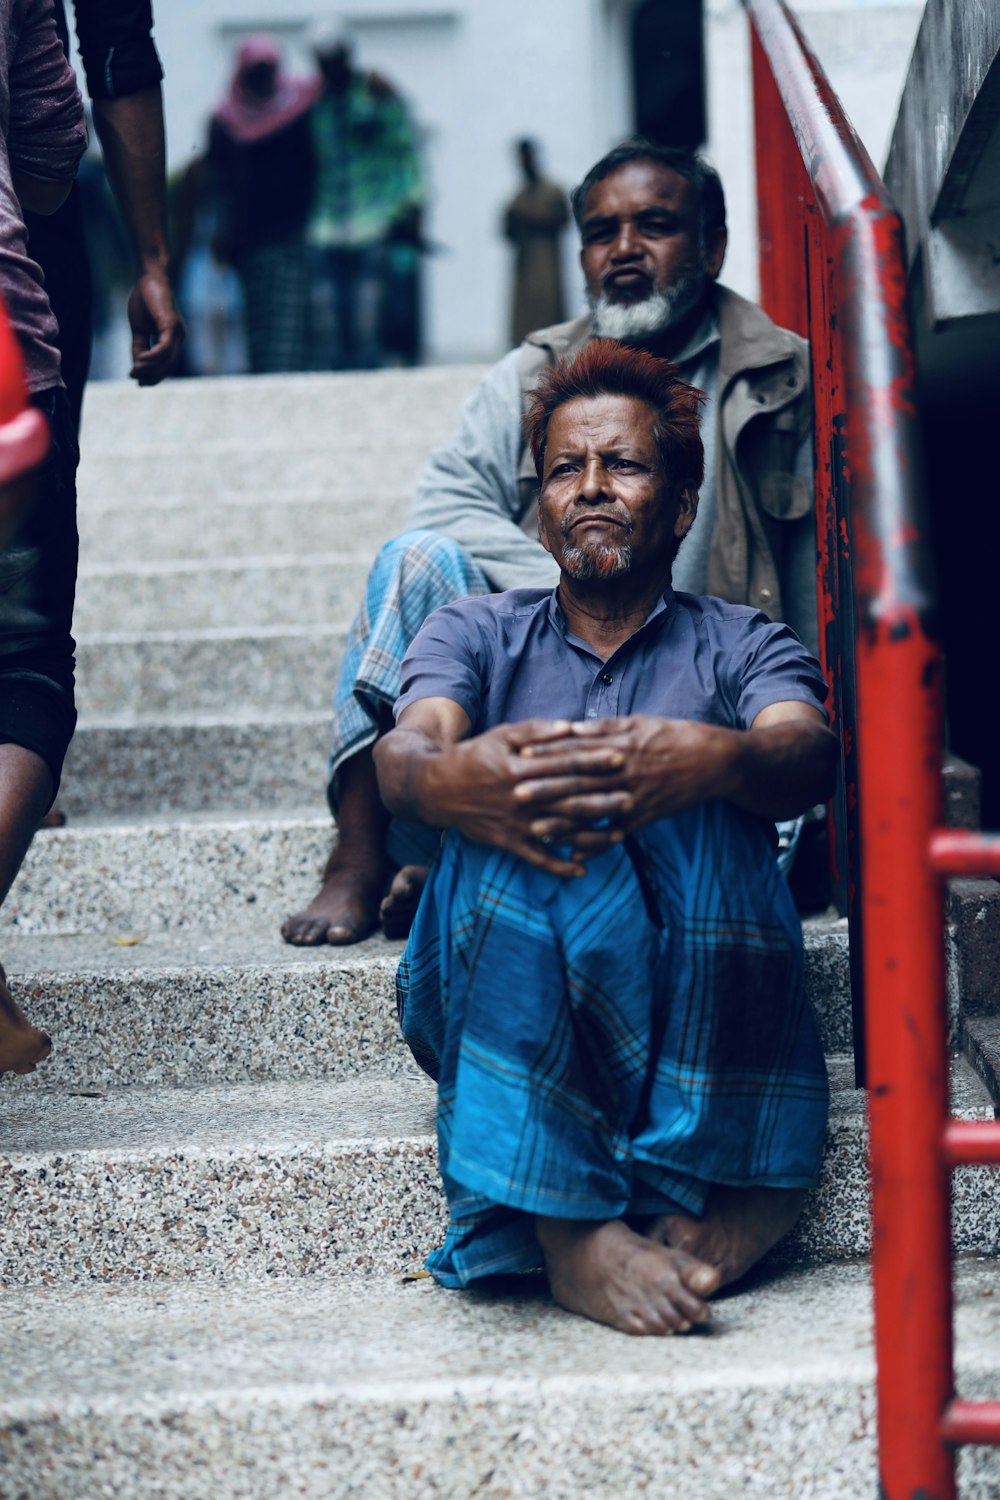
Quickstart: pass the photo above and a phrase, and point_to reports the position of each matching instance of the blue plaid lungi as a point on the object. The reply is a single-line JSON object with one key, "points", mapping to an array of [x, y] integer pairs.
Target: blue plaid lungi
{"points": [[611, 1045], [411, 576]]}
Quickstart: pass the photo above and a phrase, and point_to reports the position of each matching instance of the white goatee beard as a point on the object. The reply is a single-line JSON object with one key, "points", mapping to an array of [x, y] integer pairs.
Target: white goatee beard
{"points": [[600, 561], [660, 310]]}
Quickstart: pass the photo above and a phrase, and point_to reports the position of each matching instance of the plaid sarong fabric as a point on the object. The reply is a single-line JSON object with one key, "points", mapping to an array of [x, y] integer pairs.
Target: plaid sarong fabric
{"points": [[611, 1045], [411, 576], [276, 291]]}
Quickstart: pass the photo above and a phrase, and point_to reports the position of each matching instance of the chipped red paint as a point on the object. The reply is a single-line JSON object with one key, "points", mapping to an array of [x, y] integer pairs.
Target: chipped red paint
{"points": [[832, 266]]}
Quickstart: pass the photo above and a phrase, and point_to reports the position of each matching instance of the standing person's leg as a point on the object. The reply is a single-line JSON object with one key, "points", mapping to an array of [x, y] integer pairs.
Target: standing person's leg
{"points": [[26, 789], [37, 714], [276, 292], [412, 575], [369, 298], [342, 271], [57, 242]]}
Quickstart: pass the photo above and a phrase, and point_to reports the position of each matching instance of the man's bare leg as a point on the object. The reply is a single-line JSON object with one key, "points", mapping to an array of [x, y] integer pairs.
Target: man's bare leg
{"points": [[740, 1225], [607, 1272], [25, 793], [347, 907]]}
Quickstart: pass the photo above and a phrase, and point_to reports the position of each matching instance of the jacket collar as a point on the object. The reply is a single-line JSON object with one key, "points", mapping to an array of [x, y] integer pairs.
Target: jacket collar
{"points": [[750, 341]]}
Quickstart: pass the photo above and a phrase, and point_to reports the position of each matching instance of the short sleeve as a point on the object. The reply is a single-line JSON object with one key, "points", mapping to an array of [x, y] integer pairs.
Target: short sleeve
{"points": [[116, 46], [770, 665], [448, 658], [46, 133]]}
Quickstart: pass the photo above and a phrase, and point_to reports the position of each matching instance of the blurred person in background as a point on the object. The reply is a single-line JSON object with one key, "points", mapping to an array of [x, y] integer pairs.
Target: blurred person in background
{"points": [[209, 291], [123, 76], [261, 157], [534, 221], [367, 203]]}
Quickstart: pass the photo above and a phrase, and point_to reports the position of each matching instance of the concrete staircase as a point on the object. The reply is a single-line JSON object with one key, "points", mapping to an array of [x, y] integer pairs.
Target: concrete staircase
{"points": [[221, 1187]]}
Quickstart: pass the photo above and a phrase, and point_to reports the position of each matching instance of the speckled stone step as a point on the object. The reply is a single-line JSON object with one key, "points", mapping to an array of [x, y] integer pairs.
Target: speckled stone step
{"points": [[318, 589], [336, 1392], [333, 1176], [186, 1008], [346, 472], [342, 436], [193, 874], [237, 763], [183, 1007], [389, 408], [214, 525], [273, 669]]}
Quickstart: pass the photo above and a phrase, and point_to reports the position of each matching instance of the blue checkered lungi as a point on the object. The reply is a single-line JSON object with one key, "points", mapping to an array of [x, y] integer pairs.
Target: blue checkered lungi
{"points": [[411, 576], [611, 1045]]}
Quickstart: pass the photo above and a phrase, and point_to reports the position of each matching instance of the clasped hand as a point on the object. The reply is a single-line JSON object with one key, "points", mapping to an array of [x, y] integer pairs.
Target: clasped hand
{"points": [[557, 793]]}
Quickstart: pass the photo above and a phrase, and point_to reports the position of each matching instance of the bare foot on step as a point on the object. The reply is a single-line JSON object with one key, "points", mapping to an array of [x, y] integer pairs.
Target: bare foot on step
{"points": [[611, 1274], [739, 1226], [347, 907], [400, 905], [22, 1046]]}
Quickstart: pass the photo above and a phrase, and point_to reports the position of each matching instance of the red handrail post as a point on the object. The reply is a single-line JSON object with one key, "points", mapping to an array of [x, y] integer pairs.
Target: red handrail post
{"points": [[900, 733]]}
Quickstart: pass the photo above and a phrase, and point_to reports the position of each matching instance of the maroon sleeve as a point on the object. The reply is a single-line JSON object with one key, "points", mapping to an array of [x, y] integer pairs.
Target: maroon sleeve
{"points": [[47, 133]]}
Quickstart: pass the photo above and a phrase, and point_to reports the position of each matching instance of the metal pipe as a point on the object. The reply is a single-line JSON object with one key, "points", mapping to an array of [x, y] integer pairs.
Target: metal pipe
{"points": [[969, 1143], [959, 851], [900, 728], [971, 1422]]}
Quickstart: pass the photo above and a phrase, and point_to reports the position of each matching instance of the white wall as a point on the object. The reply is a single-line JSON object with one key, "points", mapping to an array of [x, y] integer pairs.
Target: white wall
{"points": [[480, 73], [864, 48]]}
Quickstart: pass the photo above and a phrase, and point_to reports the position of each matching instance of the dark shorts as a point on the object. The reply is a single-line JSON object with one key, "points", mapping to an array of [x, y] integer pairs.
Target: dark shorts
{"points": [[37, 586]]}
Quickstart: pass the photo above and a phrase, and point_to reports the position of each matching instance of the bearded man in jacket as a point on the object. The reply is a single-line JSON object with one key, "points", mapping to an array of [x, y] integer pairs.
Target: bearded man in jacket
{"points": [[652, 222]]}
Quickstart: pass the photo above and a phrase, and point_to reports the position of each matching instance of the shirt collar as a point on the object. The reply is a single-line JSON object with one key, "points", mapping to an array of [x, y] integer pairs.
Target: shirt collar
{"points": [[704, 336], [558, 620]]}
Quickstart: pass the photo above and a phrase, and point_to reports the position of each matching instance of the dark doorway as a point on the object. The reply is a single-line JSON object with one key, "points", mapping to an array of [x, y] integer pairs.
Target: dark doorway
{"points": [[668, 71]]}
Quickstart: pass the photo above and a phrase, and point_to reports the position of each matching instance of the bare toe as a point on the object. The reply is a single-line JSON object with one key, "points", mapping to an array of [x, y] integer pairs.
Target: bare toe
{"points": [[400, 905], [303, 930], [345, 911], [22, 1046], [609, 1273]]}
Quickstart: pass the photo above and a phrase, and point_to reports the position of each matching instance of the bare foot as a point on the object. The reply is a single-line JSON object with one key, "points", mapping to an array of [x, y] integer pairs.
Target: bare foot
{"points": [[400, 906], [739, 1226], [22, 1046], [346, 909], [611, 1274]]}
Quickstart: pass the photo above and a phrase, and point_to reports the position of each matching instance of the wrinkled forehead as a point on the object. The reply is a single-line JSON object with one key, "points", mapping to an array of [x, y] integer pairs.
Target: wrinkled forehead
{"points": [[602, 422], [638, 185]]}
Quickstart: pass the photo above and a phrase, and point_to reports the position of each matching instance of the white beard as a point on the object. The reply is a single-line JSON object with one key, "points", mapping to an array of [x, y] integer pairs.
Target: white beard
{"points": [[662, 309], [599, 561]]}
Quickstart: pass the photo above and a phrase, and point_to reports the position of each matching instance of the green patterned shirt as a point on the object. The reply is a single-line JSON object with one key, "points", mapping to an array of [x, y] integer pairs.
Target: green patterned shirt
{"points": [[367, 166]]}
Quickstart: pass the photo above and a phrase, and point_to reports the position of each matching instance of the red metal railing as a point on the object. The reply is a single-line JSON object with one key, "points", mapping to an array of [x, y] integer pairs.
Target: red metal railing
{"points": [[832, 266]]}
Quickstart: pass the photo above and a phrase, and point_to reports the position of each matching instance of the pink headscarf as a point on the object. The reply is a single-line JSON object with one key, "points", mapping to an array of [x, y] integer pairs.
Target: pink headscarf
{"points": [[248, 118]]}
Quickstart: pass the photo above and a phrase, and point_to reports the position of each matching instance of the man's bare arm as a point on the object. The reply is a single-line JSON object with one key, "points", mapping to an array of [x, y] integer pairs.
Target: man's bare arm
{"points": [[132, 137]]}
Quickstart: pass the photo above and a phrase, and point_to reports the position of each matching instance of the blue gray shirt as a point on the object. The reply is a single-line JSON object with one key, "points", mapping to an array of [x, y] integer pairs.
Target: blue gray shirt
{"points": [[507, 657]]}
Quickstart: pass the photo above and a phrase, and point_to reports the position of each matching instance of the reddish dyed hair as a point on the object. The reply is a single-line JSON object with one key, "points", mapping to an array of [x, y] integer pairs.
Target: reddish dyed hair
{"points": [[604, 367]]}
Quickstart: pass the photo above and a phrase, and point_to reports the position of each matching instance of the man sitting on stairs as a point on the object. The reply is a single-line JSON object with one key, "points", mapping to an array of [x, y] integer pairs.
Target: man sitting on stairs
{"points": [[604, 974], [653, 225]]}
